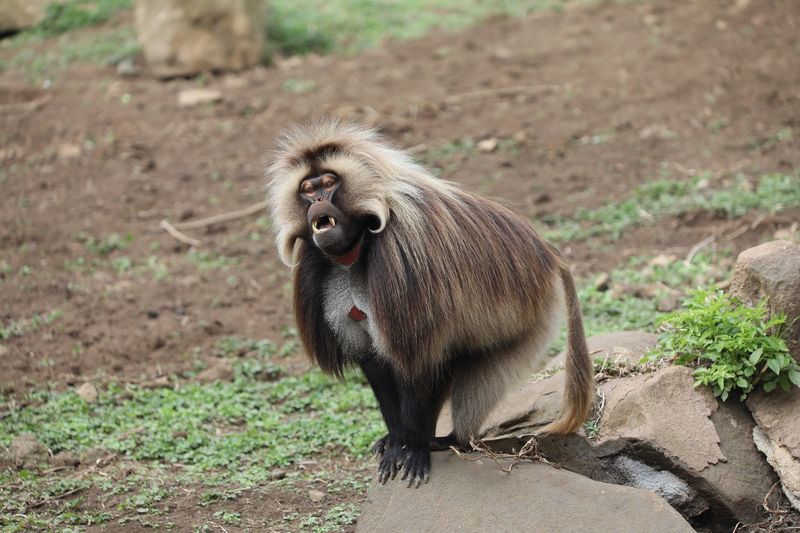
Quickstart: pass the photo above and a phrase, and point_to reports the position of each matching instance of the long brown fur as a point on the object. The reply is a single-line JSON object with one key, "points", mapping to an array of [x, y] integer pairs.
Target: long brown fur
{"points": [[448, 272]]}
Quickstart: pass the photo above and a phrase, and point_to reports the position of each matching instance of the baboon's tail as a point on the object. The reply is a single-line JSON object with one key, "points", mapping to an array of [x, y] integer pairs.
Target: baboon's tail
{"points": [[579, 386]]}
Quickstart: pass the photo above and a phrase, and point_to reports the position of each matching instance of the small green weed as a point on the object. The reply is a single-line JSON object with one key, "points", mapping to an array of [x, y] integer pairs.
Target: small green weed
{"points": [[299, 86], [228, 517], [735, 347], [206, 261], [18, 328], [105, 245]]}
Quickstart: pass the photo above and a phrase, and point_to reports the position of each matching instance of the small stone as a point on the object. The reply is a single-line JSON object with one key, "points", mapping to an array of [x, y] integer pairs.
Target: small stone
{"points": [[161, 382], [657, 131], [662, 260], [27, 452], [198, 96], [234, 82], [316, 496], [4, 350], [87, 392], [93, 456], [488, 145], [276, 474], [68, 151], [65, 458], [603, 282], [220, 370], [128, 69]]}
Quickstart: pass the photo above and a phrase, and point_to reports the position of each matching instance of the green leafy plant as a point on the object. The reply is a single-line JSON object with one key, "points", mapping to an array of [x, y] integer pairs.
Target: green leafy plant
{"points": [[735, 347]]}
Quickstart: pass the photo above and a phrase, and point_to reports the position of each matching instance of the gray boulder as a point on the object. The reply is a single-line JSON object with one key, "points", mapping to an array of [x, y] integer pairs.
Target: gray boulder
{"points": [[772, 270], [656, 431], [183, 37], [477, 495]]}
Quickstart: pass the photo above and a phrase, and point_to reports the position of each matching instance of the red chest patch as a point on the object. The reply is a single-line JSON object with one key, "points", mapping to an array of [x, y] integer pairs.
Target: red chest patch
{"points": [[357, 314]]}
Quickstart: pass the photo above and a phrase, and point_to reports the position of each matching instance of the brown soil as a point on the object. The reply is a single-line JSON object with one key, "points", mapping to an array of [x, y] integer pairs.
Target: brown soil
{"points": [[605, 98]]}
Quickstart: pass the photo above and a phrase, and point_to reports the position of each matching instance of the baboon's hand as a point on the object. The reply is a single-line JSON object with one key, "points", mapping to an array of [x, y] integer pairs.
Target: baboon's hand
{"points": [[411, 462]]}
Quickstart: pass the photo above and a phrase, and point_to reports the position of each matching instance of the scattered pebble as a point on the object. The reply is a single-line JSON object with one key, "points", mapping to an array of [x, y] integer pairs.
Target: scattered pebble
{"points": [[198, 96], [87, 392], [68, 151], [220, 370], [316, 496], [603, 282], [488, 145], [128, 69], [65, 458]]}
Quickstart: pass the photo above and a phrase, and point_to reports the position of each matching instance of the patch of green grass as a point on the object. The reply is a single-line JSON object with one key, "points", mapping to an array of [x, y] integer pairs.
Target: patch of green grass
{"points": [[67, 15], [302, 26], [632, 300], [106, 47], [228, 517], [231, 430], [18, 328], [333, 520], [771, 192], [734, 347], [23, 493], [635, 294]]}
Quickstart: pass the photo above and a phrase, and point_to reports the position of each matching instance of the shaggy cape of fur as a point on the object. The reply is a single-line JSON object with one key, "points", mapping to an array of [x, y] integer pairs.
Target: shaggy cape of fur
{"points": [[448, 273]]}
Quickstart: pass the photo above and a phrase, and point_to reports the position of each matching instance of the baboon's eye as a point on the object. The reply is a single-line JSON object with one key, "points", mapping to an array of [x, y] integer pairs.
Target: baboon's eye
{"points": [[328, 182], [308, 188]]}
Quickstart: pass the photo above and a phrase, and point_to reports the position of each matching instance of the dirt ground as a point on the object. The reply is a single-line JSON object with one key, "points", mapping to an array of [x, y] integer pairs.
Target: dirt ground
{"points": [[591, 102]]}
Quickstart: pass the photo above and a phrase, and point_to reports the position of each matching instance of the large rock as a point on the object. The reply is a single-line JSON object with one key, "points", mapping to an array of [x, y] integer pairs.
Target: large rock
{"points": [[656, 431], [479, 496], [27, 452], [778, 436], [16, 15], [772, 270], [183, 37]]}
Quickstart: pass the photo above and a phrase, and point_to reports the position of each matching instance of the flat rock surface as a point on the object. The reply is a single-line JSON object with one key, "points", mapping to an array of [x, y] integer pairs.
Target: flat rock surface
{"points": [[479, 496]]}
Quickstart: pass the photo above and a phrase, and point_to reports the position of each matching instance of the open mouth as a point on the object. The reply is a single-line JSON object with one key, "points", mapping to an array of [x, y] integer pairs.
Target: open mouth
{"points": [[323, 224]]}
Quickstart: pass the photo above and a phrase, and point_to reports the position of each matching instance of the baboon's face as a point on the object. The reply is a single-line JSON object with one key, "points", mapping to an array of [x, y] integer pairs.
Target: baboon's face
{"points": [[333, 230]]}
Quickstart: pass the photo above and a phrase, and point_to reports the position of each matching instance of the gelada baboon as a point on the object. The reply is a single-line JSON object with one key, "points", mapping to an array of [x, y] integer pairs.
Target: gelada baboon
{"points": [[431, 290]]}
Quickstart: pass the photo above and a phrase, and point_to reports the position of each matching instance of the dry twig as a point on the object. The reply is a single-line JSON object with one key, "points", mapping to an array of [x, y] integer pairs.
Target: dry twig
{"points": [[34, 505], [169, 228], [528, 452], [224, 217], [697, 247], [500, 91]]}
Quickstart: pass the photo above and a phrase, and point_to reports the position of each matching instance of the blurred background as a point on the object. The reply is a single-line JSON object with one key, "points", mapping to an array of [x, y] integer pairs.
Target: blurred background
{"points": [[651, 140]]}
